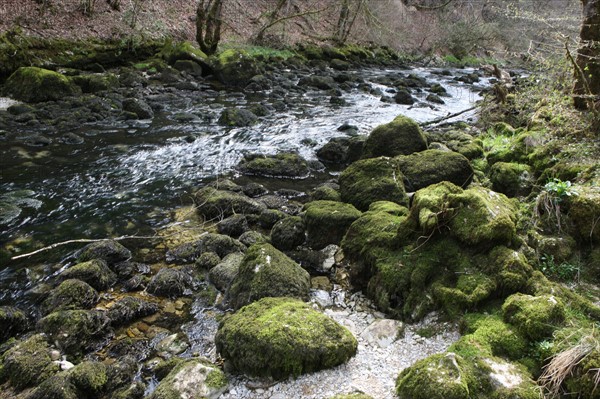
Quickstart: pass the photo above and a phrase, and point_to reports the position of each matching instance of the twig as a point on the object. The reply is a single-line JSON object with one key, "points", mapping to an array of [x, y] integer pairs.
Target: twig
{"points": [[443, 118]]}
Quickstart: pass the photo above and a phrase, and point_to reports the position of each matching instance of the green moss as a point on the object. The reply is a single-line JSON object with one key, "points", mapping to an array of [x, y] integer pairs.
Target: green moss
{"points": [[536, 317], [388, 207], [510, 268], [279, 165], [239, 117], [327, 222], [280, 337], [511, 179], [216, 379], [32, 84], [584, 213], [163, 368], [402, 136], [493, 334], [191, 378], [235, 67], [94, 83], [94, 272], [70, 294], [89, 377], [470, 290], [28, 362], [267, 272], [173, 52], [431, 206], [326, 193], [370, 180], [220, 203], [288, 233]]}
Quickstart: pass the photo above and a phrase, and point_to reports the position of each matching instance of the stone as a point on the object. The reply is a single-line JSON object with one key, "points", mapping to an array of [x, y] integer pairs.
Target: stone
{"points": [[288, 233], [237, 117], [107, 250], [130, 308], [382, 332], [32, 84], [402, 136], [70, 294], [327, 222], [223, 274], [138, 107], [12, 322], [192, 378], [94, 272], [169, 282]]}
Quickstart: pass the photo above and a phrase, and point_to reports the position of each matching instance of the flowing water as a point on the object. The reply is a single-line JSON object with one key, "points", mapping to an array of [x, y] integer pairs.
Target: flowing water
{"points": [[124, 174]]}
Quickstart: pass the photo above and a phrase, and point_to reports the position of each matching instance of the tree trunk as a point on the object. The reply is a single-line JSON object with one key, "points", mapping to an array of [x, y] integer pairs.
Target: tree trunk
{"points": [[587, 73], [208, 25]]}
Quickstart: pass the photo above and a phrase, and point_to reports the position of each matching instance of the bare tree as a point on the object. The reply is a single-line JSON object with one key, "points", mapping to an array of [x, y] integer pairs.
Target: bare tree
{"points": [[347, 19], [208, 25], [587, 65]]}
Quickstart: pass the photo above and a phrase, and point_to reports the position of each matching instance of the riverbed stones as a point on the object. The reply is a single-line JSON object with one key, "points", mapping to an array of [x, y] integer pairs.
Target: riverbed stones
{"points": [[130, 308], [370, 180], [220, 244], [70, 294], [32, 84], [280, 337], [214, 203], [138, 107], [237, 117], [327, 222], [402, 136], [225, 271], [290, 165], [267, 272], [288, 233], [94, 272], [28, 362], [341, 150], [109, 251], [169, 282], [422, 169], [12, 321], [193, 378], [233, 226]]}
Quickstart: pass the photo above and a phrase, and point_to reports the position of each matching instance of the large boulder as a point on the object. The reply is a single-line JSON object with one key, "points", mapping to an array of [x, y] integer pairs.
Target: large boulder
{"points": [[12, 321], [327, 222], [267, 272], [213, 203], [107, 250], [234, 67], [32, 84], [370, 180], [192, 378], [280, 337], [70, 294], [402, 136], [341, 150], [512, 179], [280, 165], [424, 168], [28, 362], [225, 271], [536, 317], [288, 233], [584, 211], [94, 272]]}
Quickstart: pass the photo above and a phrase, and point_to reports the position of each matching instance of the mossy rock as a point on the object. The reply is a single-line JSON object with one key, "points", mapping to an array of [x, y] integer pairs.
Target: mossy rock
{"points": [[483, 217], [76, 331], [222, 275], [402, 136], [429, 167], [288, 164], [389, 207], [58, 386], [129, 309], [370, 180], [460, 142], [192, 378], [341, 150], [327, 222], [470, 290], [28, 362], [235, 67], [510, 269], [432, 207], [169, 282], [173, 52], [584, 213], [267, 272], [214, 203], [288, 233], [280, 337], [94, 83], [325, 192], [70, 294], [512, 179], [237, 117], [107, 250], [32, 84], [536, 317], [89, 377], [94, 272], [441, 376], [12, 322], [220, 244]]}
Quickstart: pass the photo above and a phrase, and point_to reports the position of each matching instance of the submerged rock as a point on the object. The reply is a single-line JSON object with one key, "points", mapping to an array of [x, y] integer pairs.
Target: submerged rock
{"points": [[280, 337], [267, 272]]}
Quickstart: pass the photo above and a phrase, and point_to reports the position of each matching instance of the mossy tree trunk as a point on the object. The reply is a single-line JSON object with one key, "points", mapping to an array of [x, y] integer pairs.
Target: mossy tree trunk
{"points": [[346, 20], [587, 68], [208, 25]]}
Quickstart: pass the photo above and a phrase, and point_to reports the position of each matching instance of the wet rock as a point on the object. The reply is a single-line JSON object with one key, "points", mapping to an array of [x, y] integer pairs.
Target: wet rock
{"points": [[72, 138], [189, 66], [130, 308], [251, 237], [233, 226], [135, 283], [173, 344], [402, 136], [12, 322], [404, 97], [318, 82], [370, 180], [28, 362], [94, 83], [434, 98], [280, 165], [267, 272], [207, 261], [19, 108], [219, 203], [237, 117], [38, 140], [121, 373], [327, 192], [235, 67], [327, 222], [193, 378], [425, 168], [128, 269], [220, 244], [56, 387], [170, 283], [89, 378], [138, 107], [31, 84], [76, 331], [280, 337], [69, 295], [223, 273], [269, 217], [109, 251], [254, 190], [341, 150], [288, 233], [94, 272]]}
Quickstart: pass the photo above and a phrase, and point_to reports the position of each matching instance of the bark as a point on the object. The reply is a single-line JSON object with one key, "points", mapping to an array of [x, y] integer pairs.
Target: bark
{"points": [[208, 25], [587, 69]]}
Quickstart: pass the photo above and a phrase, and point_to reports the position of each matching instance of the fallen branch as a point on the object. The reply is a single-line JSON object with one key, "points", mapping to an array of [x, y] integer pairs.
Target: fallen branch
{"points": [[450, 116]]}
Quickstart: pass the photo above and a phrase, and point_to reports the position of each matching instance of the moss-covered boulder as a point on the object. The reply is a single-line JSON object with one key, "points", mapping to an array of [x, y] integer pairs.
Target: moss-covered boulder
{"points": [[130, 308], [94, 272], [12, 321], [192, 378], [76, 331], [32, 84], [70, 294], [173, 52], [170, 282], [225, 271], [280, 337], [288, 233], [214, 203], [235, 67], [512, 179], [28, 362], [370, 180], [327, 222], [267, 272], [137, 109], [237, 117], [89, 378], [107, 250], [461, 142], [58, 386], [432, 207], [402, 136], [287, 164], [94, 83], [429, 167], [220, 244], [584, 213], [510, 269], [536, 317], [341, 150]]}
